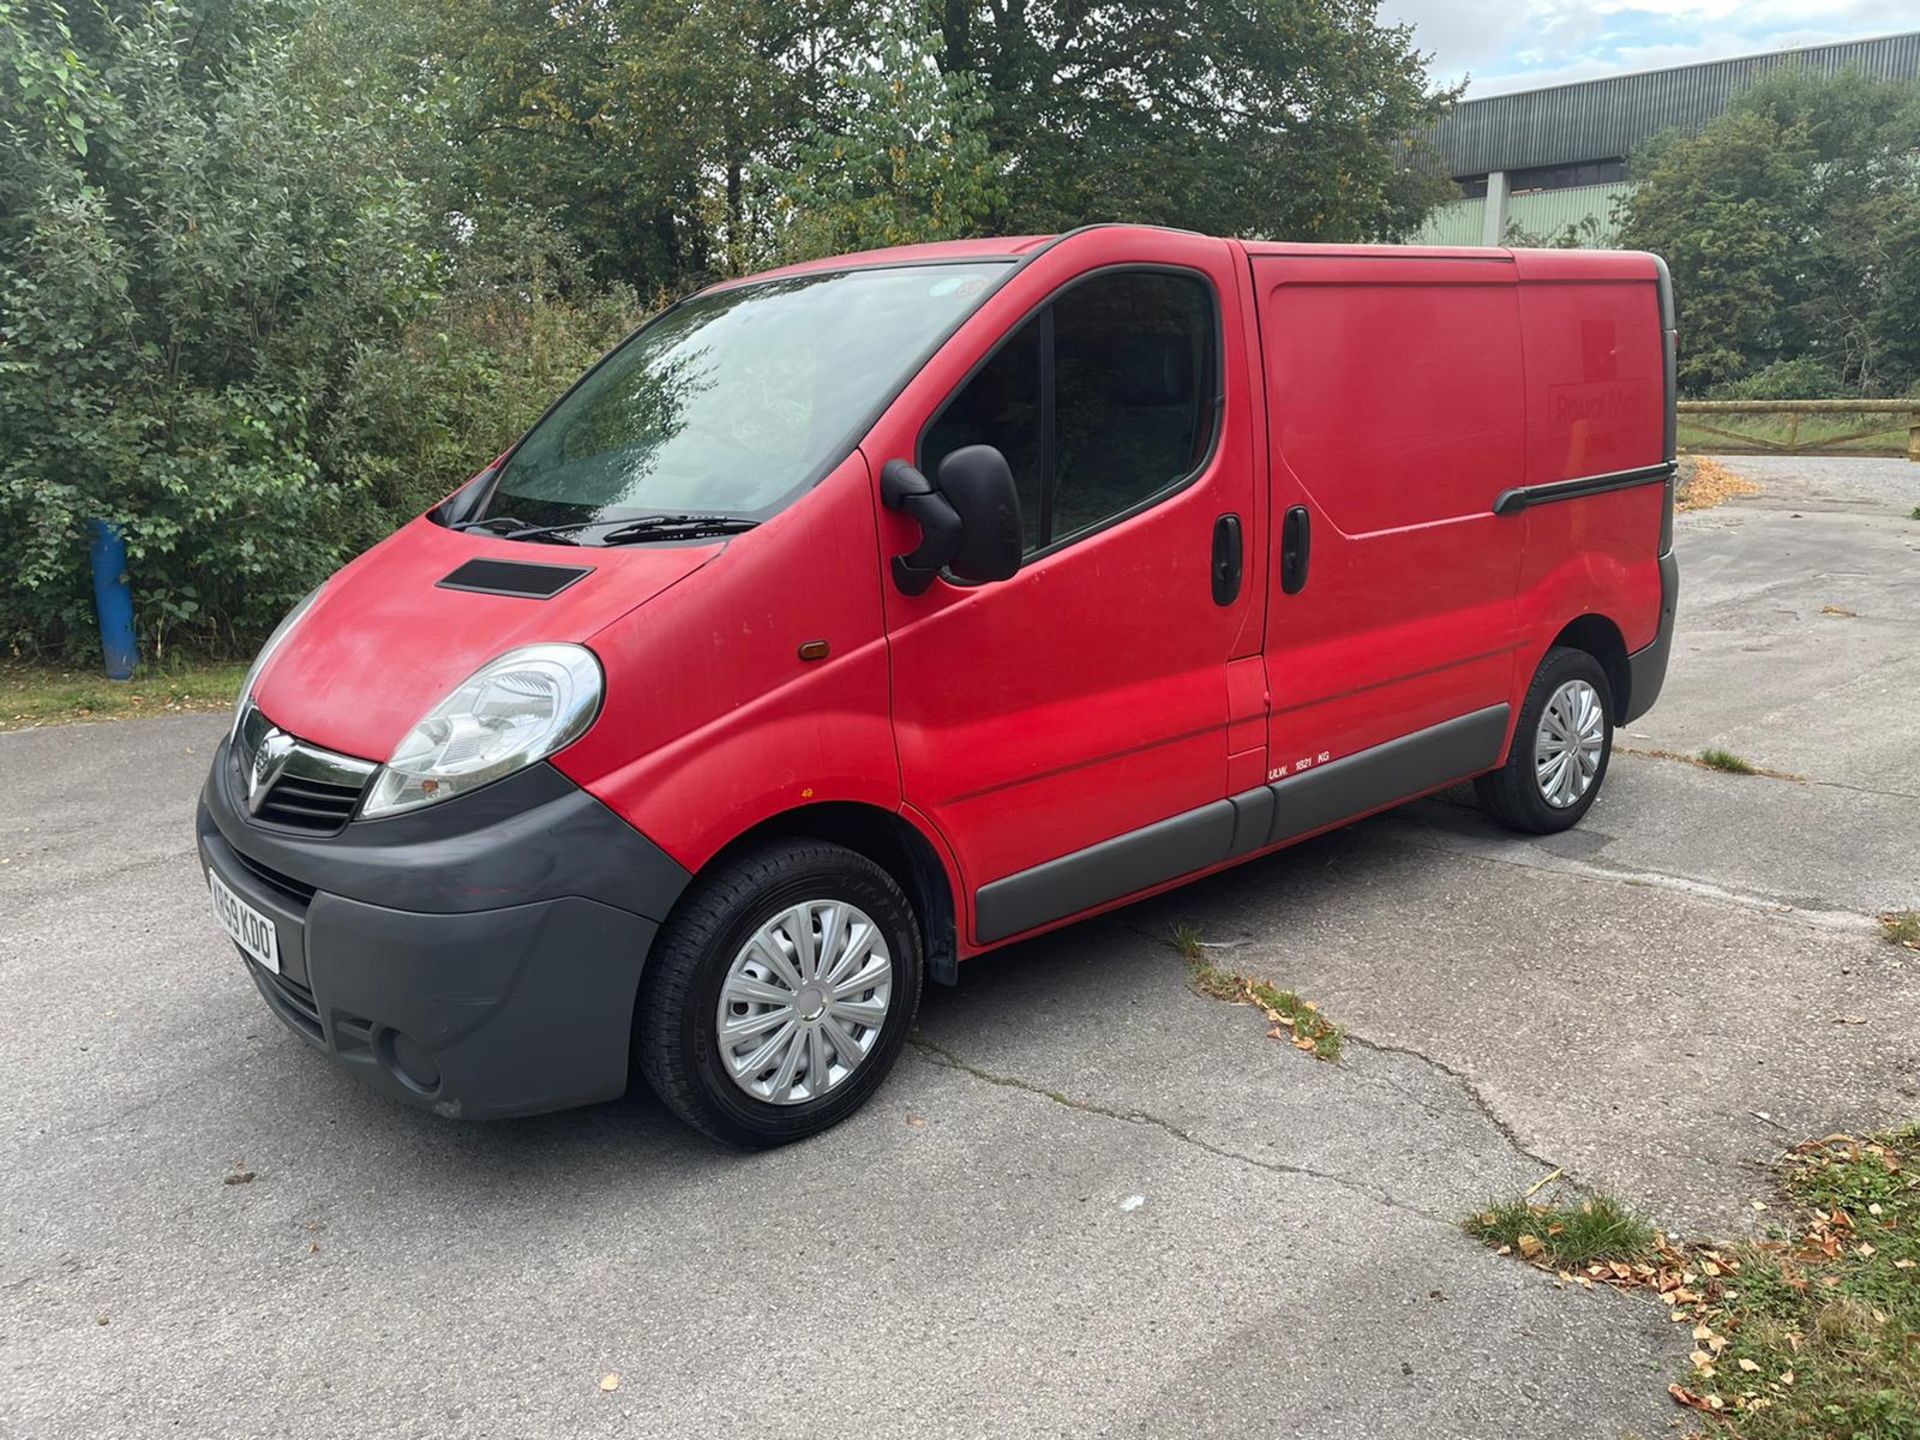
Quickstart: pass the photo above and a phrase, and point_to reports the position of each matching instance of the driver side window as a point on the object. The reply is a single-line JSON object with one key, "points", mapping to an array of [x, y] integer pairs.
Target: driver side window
{"points": [[1102, 402]]}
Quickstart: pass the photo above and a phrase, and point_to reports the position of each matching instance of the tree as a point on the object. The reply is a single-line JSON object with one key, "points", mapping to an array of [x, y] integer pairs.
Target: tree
{"points": [[675, 141], [1283, 118], [1788, 224], [906, 161], [190, 257]]}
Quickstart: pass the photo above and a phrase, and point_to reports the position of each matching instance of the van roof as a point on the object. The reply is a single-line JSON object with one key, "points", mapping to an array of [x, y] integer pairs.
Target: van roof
{"points": [[1010, 248], [1534, 264]]}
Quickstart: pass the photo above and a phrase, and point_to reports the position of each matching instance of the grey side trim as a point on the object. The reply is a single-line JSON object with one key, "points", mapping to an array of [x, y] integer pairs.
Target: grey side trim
{"points": [[1647, 668], [1355, 784], [1252, 820], [1524, 497], [1137, 860], [1228, 829]]}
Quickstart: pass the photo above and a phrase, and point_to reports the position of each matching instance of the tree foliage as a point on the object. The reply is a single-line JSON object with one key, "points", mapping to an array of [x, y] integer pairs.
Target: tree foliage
{"points": [[1792, 228], [276, 273]]}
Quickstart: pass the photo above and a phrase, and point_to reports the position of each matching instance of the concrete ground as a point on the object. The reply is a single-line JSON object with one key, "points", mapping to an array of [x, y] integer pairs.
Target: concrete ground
{"points": [[1089, 1202]]}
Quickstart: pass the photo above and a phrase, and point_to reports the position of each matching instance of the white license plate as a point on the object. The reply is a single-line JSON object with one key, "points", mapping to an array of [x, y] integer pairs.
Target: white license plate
{"points": [[251, 931]]}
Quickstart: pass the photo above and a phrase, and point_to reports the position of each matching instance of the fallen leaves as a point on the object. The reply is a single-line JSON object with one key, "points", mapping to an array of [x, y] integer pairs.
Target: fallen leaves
{"points": [[1711, 484], [610, 1382]]}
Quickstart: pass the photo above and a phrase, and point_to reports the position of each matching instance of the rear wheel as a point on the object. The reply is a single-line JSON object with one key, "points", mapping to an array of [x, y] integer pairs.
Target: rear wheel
{"points": [[780, 994], [1560, 749]]}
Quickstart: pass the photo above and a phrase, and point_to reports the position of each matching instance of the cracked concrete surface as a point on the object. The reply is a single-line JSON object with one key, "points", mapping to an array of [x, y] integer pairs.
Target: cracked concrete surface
{"points": [[1090, 1201]]}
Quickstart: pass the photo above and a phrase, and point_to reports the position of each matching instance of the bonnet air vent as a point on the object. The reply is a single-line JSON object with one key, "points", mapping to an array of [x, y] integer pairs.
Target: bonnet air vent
{"points": [[514, 577]]}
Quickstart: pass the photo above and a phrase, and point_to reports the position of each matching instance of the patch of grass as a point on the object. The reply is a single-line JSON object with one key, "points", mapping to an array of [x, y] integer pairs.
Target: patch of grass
{"points": [[1728, 761], [1817, 1334], [46, 695], [1916, 513], [1814, 429], [1901, 927], [1295, 1020], [1596, 1229]]}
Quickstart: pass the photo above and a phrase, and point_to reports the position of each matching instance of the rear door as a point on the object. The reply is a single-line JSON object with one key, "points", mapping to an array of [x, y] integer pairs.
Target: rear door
{"points": [[1395, 387], [1067, 730]]}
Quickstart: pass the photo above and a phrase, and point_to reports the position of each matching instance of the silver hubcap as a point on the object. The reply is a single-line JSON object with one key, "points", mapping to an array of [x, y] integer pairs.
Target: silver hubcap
{"points": [[1566, 751], [804, 1002]]}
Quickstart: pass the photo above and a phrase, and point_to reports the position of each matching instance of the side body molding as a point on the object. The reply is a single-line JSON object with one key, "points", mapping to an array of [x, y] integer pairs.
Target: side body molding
{"points": [[1269, 815]]}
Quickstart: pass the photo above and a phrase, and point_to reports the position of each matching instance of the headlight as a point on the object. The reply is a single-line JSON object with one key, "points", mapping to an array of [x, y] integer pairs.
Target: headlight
{"points": [[280, 633], [513, 711]]}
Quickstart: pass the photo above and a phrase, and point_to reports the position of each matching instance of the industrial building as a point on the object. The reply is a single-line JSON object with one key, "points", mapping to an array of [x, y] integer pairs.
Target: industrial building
{"points": [[1538, 161]]}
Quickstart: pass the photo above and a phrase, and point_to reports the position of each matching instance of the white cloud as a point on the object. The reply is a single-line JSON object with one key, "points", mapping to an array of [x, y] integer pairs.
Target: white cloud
{"points": [[1521, 44]]}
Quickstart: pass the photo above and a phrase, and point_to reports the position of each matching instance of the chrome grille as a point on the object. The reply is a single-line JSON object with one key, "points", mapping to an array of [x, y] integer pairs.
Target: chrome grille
{"points": [[292, 784]]}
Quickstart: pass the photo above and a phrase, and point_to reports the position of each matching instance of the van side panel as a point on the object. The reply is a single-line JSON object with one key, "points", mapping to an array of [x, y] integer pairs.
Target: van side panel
{"points": [[1395, 389], [1595, 406]]}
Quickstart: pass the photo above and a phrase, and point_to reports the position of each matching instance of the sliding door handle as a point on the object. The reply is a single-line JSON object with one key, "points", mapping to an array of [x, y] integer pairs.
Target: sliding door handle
{"points": [[1296, 548]]}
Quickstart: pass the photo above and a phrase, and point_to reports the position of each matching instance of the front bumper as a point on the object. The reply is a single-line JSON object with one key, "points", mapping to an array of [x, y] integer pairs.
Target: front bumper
{"points": [[479, 958]]}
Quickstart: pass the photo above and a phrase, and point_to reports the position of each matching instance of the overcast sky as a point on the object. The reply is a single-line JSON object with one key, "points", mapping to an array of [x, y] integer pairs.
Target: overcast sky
{"points": [[1522, 44]]}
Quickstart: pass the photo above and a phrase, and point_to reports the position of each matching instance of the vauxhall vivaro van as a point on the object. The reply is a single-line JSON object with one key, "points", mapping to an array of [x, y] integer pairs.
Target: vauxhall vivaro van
{"points": [[856, 618]]}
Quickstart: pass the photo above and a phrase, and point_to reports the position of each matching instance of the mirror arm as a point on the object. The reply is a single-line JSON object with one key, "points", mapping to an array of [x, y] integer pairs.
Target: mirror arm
{"points": [[905, 489]]}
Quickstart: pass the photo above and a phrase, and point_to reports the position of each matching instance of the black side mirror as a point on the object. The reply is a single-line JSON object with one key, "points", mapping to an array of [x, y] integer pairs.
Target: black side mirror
{"points": [[969, 523], [978, 482]]}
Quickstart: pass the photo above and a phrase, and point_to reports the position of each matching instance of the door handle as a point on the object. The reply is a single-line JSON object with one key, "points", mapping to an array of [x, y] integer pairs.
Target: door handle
{"points": [[1226, 560], [1296, 547]]}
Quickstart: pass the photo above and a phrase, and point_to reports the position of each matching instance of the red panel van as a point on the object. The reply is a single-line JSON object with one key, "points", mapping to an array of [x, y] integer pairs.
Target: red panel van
{"points": [[856, 618]]}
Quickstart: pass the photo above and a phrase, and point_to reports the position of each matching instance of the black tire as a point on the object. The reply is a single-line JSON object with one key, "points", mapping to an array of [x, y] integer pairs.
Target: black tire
{"points": [[675, 1044], [1512, 794]]}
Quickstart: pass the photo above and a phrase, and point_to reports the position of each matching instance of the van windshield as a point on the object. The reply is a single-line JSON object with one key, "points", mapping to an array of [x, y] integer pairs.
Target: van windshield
{"points": [[735, 402]]}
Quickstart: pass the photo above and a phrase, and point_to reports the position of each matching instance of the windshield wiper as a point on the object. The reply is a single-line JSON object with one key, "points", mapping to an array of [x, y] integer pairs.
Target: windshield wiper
{"points": [[641, 527], [521, 530], [676, 527]]}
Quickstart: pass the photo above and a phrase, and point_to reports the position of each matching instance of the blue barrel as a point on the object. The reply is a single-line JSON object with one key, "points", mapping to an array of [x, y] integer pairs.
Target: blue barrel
{"points": [[113, 598]]}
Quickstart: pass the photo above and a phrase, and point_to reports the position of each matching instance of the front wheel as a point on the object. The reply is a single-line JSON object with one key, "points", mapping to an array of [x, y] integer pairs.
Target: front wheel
{"points": [[780, 993], [1560, 747]]}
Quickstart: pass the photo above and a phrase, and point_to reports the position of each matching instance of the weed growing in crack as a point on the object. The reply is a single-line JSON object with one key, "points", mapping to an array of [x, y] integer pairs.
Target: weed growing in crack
{"points": [[1295, 1020], [1596, 1229], [1728, 761], [1186, 940], [1901, 927]]}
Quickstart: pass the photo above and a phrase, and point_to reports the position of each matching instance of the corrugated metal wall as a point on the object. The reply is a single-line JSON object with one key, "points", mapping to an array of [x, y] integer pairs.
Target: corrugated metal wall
{"points": [[1599, 119], [1456, 224], [1546, 213]]}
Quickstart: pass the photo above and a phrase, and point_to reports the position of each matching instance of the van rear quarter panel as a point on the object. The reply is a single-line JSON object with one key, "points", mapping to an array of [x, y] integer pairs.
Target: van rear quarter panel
{"points": [[1595, 405]]}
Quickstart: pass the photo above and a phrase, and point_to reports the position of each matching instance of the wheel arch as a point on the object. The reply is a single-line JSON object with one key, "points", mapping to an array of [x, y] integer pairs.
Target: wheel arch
{"points": [[1601, 638], [892, 842]]}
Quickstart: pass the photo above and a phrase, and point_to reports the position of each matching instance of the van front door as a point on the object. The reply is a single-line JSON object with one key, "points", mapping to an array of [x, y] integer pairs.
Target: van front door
{"points": [[1067, 730]]}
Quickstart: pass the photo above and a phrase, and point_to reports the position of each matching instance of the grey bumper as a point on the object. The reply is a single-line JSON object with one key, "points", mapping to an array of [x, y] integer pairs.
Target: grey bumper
{"points": [[1647, 668], [479, 958]]}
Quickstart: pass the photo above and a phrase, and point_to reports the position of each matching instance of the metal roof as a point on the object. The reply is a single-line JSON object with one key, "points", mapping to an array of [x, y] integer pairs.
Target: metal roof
{"points": [[1601, 119]]}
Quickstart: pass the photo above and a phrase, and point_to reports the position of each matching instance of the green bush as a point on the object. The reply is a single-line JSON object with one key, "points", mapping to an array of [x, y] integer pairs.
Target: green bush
{"points": [[230, 326], [189, 260], [1802, 378]]}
